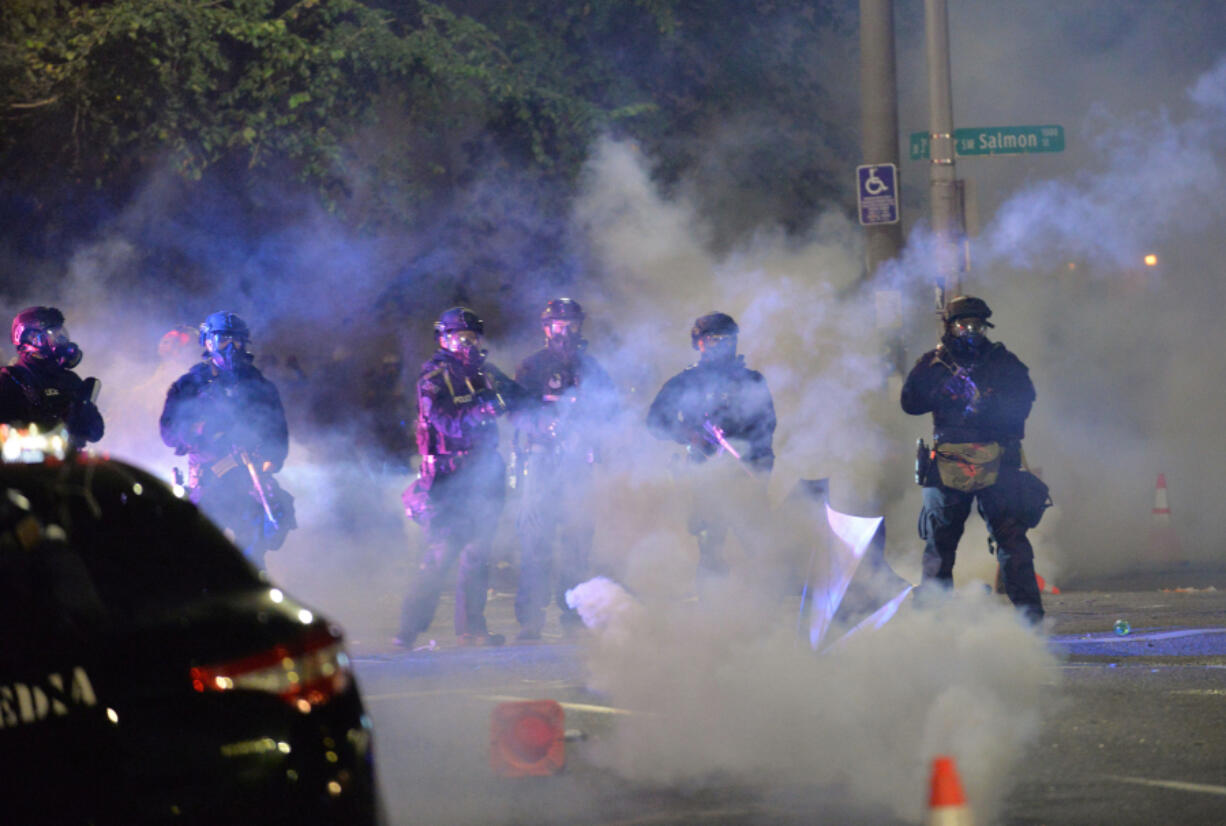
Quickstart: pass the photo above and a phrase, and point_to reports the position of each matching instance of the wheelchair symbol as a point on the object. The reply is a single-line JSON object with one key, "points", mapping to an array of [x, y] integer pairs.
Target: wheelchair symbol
{"points": [[874, 185], [876, 193]]}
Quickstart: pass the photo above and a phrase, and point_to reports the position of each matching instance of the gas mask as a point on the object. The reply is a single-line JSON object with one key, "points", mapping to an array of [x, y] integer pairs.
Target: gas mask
{"points": [[464, 345], [967, 336], [564, 335], [226, 351], [55, 345]]}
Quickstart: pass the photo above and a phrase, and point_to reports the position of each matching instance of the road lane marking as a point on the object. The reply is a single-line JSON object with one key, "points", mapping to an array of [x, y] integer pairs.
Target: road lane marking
{"points": [[1097, 664], [502, 698], [1177, 785], [1156, 635], [706, 815]]}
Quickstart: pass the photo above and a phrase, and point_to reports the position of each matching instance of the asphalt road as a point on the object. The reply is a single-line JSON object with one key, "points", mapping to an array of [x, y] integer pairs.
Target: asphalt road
{"points": [[1136, 729], [1133, 726]]}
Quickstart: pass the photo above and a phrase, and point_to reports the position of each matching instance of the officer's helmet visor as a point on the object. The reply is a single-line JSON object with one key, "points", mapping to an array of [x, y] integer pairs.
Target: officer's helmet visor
{"points": [[48, 337], [458, 340], [970, 326], [563, 327], [225, 341]]}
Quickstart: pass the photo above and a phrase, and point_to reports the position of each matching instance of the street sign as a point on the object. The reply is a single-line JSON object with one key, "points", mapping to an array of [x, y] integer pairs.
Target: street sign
{"points": [[994, 140], [877, 193]]}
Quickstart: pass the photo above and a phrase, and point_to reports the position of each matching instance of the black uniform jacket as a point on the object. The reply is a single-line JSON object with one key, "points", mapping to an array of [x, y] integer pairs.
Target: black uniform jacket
{"points": [[38, 391], [1005, 396], [567, 393], [209, 413], [728, 395], [458, 405]]}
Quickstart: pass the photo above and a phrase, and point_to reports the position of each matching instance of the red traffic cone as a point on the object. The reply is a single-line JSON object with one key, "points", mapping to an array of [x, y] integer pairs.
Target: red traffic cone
{"points": [[527, 738], [947, 803], [1163, 544]]}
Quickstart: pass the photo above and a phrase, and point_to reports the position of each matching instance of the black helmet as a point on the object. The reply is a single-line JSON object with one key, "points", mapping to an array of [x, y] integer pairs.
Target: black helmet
{"points": [[967, 306], [718, 324], [458, 318], [58, 348], [566, 309], [225, 323], [35, 318], [562, 320]]}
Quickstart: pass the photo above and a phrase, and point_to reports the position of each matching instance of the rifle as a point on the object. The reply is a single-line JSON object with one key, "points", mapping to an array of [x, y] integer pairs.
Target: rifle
{"points": [[967, 390]]}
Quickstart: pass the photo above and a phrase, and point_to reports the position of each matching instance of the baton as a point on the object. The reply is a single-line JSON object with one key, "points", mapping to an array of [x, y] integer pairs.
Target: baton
{"points": [[714, 430], [718, 435], [259, 488]]}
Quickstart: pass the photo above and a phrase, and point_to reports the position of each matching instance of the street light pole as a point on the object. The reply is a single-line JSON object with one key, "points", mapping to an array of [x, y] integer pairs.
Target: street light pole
{"points": [[942, 178], [879, 117]]}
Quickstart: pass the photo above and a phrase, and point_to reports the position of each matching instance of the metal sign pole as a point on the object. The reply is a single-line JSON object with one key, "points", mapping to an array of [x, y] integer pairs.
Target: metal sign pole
{"points": [[946, 223]]}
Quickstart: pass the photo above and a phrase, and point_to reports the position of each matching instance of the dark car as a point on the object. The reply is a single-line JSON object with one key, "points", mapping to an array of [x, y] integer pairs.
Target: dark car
{"points": [[149, 673]]}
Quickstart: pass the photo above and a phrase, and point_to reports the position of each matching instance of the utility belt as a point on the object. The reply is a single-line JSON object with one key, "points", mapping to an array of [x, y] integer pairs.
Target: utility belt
{"points": [[973, 466], [417, 497], [964, 466], [199, 473], [969, 466]]}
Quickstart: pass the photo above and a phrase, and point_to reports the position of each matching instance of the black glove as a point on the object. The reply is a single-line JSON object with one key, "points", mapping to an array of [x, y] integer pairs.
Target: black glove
{"points": [[960, 387], [84, 422], [89, 389], [490, 403]]}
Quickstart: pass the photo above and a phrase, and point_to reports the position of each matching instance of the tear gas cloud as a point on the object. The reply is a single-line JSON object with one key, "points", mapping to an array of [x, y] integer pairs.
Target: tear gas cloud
{"points": [[807, 326], [1056, 260], [734, 698], [1115, 406]]}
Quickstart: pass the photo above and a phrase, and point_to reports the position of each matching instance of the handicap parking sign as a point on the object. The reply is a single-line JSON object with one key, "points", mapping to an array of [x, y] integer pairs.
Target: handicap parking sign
{"points": [[877, 193]]}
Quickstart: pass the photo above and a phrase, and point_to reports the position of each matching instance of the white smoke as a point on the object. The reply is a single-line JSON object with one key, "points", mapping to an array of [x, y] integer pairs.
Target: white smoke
{"points": [[720, 697], [726, 692]]}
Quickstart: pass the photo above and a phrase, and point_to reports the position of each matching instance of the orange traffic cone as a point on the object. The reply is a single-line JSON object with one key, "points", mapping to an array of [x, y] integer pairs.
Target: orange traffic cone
{"points": [[527, 738], [1163, 544], [947, 804], [1045, 587]]}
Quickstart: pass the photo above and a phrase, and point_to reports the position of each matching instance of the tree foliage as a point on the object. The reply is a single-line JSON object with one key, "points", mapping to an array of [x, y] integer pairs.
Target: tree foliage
{"points": [[98, 91], [385, 106]]}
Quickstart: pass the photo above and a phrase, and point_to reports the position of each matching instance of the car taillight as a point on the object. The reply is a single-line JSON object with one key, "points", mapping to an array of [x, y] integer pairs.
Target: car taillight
{"points": [[307, 672]]}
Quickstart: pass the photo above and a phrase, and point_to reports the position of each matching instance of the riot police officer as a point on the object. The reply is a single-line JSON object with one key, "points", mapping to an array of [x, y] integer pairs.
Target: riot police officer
{"points": [[229, 421], [40, 387], [556, 447], [723, 413], [461, 483], [979, 395]]}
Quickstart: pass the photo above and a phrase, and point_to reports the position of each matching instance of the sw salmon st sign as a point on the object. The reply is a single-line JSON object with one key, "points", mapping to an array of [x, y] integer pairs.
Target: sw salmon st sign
{"points": [[994, 140]]}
